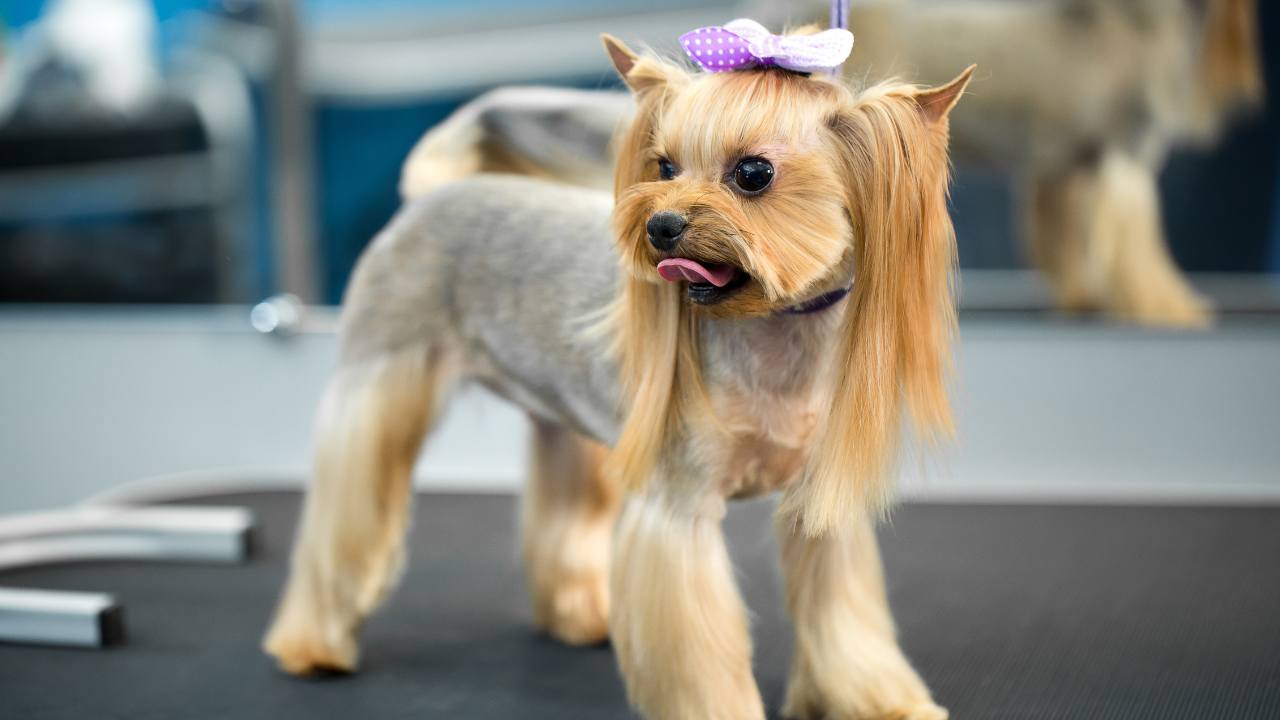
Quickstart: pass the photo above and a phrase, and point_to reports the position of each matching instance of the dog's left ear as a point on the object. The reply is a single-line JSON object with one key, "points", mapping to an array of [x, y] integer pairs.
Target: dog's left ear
{"points": [[893, 359], [936, 103]]}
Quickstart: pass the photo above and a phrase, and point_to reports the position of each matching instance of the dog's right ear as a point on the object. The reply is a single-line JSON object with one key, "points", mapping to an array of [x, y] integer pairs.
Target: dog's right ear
{"points": [[651, 81], [653, 332], [623, 59], [641, 74]]}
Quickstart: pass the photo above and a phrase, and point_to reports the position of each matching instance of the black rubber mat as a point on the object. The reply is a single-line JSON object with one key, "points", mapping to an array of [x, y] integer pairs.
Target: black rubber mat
{"points": [[1008, 612]]}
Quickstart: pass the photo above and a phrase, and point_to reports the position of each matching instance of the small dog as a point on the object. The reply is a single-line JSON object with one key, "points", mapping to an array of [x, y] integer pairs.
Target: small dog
{"points": [[1081, 101], [775, 304]]}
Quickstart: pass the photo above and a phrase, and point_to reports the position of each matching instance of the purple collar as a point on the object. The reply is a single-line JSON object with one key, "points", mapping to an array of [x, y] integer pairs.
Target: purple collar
{"points": [[818, 304]]}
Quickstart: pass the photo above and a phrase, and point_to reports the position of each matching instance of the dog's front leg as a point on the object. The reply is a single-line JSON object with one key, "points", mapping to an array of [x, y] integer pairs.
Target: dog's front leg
{"points": [[847, 663], [679, 626]]}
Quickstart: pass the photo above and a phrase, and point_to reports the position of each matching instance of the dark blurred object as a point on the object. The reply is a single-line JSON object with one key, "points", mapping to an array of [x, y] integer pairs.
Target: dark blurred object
{"points": [[107, 209], [29, 139], [122, 178], [106, 176]]}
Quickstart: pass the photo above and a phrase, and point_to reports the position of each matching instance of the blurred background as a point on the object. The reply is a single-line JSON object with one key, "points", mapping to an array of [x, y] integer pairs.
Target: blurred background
{"points": [[167, 165]]}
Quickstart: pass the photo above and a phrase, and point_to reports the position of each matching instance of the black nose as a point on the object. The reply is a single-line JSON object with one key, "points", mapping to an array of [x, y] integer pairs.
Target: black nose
{"points": [[665, 229]]}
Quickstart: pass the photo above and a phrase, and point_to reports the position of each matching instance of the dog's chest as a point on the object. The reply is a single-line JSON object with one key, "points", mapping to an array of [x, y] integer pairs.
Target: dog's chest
{"points": [[766, 383], [767, 445]]}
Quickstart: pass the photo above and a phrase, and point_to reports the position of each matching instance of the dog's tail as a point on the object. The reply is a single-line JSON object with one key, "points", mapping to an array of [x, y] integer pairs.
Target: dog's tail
{"points": [[450, 151], [349, 546], [554, 133], [1230, 51], [1230, 63]]}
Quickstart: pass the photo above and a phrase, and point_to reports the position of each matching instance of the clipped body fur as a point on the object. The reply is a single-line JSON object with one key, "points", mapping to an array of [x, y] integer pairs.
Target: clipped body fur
{"points": [[650, 410]]}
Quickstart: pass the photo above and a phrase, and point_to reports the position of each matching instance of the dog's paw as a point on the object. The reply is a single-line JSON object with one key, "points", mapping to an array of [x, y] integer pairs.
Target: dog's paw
{"points": [[1186, 312], [576, 611], [892, 694], [923, 711], [302, 652]]}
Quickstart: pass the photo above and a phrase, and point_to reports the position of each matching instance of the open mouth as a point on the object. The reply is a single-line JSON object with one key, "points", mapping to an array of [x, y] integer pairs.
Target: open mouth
{"points": [[708, 283]]}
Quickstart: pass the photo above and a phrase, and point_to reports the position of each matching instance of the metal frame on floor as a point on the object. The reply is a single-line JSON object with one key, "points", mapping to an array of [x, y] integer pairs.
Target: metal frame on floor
{"points": [[98, 533]]}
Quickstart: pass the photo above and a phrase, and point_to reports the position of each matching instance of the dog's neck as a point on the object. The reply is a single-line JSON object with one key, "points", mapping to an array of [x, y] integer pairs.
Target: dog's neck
{"points": [[820, 303], [781, 354]]}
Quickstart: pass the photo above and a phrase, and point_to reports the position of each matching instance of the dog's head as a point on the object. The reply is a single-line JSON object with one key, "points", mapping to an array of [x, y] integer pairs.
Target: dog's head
{"points": [[744, 193], [742, 187], [731, 185]]}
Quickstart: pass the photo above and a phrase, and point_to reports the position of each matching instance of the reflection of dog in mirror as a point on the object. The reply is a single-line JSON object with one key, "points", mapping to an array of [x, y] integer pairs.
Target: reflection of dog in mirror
{"points": [[775, 307], [1082, 100]]}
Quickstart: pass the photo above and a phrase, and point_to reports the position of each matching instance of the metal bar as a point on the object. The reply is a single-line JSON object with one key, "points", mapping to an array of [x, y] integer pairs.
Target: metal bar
{"points": [[189, 534], [291, 161], [50, 617]]}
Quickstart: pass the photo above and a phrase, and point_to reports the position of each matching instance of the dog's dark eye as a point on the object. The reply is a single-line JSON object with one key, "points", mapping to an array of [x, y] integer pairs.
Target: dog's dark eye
{"points": [[753, 174], [666, 169]]}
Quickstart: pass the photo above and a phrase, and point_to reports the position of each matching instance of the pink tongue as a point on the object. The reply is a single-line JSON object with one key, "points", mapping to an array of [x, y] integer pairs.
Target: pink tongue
{"points": [[677, 269]]}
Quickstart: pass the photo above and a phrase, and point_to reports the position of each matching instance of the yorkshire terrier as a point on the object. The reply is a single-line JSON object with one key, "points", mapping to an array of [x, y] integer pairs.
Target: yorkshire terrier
{"points": [[1082, 102], [765, 304]]}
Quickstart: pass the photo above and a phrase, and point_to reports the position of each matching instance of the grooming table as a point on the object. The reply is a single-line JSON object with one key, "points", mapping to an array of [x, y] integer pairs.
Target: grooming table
{"points": [[1088, 612]]}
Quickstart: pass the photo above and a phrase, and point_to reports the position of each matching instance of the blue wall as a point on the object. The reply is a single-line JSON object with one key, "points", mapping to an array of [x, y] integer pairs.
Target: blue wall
{"points": [[17, 13]]}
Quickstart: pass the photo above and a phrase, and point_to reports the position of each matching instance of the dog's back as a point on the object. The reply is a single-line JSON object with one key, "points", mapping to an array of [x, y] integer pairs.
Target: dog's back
{"points": [[509, 269]]}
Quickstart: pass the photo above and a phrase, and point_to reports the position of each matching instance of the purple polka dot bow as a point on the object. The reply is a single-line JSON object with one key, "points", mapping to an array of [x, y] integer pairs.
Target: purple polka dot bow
{"points": [[746, 43]]}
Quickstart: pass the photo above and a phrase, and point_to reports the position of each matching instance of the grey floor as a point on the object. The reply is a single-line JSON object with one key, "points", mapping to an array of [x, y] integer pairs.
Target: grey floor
{"points": [[1009, 611]]}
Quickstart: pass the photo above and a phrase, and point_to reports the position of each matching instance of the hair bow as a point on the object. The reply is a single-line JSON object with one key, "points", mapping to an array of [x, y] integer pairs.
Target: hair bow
{"points": [[746, 43]]}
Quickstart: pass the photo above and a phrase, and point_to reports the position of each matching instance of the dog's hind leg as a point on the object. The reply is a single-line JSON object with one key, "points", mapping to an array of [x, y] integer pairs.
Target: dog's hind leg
{"points": [[567, 518], [349, 547], [847, 663]]}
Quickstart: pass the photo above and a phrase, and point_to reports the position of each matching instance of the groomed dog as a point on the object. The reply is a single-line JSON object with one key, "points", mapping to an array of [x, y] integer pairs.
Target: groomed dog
{"points": [[763, 305], [1081, 101]]}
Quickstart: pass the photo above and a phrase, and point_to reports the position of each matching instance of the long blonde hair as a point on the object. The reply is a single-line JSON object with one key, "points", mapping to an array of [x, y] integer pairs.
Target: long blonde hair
{"points": [[895, 345]]}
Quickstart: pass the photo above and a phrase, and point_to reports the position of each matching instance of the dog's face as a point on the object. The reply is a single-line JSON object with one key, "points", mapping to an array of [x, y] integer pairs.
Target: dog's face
{"points": [[733, 186]]}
